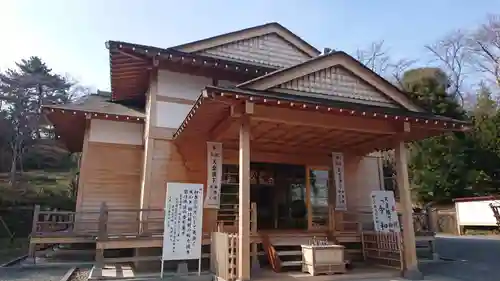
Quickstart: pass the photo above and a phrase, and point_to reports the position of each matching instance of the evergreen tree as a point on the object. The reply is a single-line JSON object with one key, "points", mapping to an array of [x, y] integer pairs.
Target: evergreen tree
{"points": [[484, 143], [24, 90], [438, 165]]}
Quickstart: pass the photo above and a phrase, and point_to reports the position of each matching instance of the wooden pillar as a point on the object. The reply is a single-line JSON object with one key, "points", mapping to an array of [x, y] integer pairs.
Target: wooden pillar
{"points": [[253, 231], [146, 175], [244, 201], [102, 235], [409, 243], [308, 198], [32, 246]]}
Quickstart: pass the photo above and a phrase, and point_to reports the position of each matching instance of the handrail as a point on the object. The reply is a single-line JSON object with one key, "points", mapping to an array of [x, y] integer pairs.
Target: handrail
{"points": [[230, 225], [271, 253]]}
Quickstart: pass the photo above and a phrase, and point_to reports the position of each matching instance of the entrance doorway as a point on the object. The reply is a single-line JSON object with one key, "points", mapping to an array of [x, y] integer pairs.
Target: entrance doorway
{"points": [[278, 190]]}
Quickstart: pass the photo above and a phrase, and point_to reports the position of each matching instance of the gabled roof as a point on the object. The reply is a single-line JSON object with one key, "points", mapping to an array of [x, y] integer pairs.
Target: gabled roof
{"points": [[130, 66], [99, 104], [247, 33], [203, 115], [69, 120], [281, 76]]}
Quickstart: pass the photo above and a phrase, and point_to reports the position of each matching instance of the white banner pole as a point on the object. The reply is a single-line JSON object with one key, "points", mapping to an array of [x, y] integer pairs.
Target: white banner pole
{"points": [[199, 266], [161, 272]]}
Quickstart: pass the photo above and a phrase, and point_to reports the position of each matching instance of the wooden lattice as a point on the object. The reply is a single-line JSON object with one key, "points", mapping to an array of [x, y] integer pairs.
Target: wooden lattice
{"points": [[496, 212], [383, 249]]}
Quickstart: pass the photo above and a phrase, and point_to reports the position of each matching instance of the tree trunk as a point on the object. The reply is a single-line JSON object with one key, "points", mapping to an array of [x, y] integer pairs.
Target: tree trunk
{"points": [[13, 167], [20, 159]]}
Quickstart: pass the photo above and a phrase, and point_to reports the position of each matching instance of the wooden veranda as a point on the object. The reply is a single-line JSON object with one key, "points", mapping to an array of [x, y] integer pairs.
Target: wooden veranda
{"points": [[106, 231]]}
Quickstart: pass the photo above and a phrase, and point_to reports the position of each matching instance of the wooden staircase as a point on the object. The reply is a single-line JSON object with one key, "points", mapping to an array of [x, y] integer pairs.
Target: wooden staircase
{"points": [[284, 251], [290, 255], [271, 253]]}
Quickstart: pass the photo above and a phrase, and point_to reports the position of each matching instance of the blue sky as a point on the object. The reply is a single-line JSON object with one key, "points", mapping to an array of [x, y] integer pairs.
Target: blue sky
{"points": [[70, 35]]}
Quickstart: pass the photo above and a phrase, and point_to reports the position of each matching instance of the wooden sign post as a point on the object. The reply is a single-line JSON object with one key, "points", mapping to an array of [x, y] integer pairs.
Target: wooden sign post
{"points": [[385, 216], [182, 234]]}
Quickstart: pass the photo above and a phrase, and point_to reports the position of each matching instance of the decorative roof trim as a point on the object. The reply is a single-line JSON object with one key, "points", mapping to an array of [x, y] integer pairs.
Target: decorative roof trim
{"points": [[150, 57], [248, 33], [320, 105], [284, 75], [170, 54], [90, 114]]}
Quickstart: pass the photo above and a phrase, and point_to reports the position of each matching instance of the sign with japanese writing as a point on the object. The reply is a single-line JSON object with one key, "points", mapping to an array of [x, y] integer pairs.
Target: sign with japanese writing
{"points": [[338, 176], [183, 220], [385, 216], [214, 175]]}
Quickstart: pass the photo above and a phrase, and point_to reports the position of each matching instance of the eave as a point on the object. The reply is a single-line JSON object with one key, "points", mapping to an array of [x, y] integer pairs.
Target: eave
{"points": [[131, 66], [70, 120], [432, 124]]}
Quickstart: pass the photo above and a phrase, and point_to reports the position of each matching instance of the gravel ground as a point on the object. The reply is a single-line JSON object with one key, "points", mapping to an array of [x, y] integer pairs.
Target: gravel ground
{"points": [[80, 275], [32, 274]]}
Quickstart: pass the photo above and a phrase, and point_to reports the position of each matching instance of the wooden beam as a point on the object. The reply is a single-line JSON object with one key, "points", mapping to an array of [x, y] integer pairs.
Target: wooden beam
{"points": [[161, 133], [231, 157], [409, 246], [229, 118], [381, 141], [371, 142], [244, 201], [149, 131], [322, 120], [133, 56], [160, 97], [308, 198], [238, 110], [221, 127]]}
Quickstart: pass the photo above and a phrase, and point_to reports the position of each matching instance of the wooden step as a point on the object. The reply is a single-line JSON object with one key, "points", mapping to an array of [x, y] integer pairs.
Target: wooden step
{"points": [[291, 263], [289, 253], [290, 241]]}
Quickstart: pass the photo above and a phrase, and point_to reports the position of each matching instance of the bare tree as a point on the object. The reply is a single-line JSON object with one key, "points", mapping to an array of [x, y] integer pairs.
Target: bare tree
{"points": [[398, 68], [376, 57], [452, 54], [485, 48]]}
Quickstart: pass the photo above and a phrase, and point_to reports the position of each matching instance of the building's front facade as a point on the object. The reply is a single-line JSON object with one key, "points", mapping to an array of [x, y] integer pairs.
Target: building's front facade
{"points": [[274, 103]]}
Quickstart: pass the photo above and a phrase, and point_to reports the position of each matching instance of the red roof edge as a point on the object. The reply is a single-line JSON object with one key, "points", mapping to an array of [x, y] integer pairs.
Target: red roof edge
{"points": [[477, 198]]}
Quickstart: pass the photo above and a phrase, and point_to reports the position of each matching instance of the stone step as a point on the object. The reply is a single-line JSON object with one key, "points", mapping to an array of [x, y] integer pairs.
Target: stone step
{"points": [[289, 253], [291, 263]]}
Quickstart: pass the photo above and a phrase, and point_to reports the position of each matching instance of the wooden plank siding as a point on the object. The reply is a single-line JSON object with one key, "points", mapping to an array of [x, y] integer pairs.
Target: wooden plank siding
{"points": [[269, 49], [170, 165], [336, 82], [112, 175]]}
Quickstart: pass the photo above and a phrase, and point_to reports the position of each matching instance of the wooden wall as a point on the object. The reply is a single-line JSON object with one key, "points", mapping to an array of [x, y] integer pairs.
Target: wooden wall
{"points": [[270, 49], [186, 163], [110, 173], [362, 174]]}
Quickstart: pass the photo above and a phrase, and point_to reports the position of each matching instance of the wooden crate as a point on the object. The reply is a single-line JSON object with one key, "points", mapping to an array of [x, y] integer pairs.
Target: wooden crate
{"points": [[323, 259]]}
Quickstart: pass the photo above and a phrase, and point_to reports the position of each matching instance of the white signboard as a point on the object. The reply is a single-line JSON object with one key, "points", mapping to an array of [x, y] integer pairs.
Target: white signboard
{"points": [[476, 213], [183, 221], [338, 175], [214, 176], [385, 216]]}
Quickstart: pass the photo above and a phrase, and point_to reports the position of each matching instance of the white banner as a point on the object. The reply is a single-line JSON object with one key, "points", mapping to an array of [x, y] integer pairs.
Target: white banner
{"points": [[338, 175], [214, 164], [385, 216], [183, 221]]}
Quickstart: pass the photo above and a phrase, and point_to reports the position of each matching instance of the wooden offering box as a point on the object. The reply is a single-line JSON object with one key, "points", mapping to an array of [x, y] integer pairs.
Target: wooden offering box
{"points": [[323, 259]]}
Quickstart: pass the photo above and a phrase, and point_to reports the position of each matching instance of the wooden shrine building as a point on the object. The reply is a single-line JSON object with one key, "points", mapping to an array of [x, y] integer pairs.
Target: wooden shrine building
{"points": [[276, 109]]}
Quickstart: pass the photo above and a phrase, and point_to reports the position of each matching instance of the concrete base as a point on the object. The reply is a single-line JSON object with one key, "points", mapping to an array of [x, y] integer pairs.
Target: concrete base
{"points": [[182, 268], [413, 274], [122, 273], [255, 269]]}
